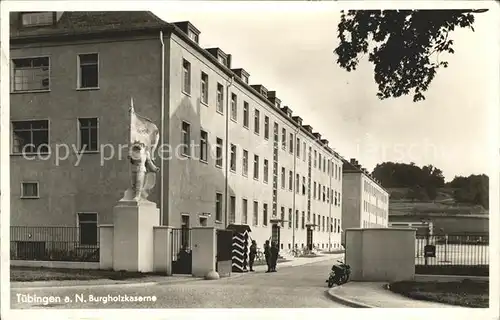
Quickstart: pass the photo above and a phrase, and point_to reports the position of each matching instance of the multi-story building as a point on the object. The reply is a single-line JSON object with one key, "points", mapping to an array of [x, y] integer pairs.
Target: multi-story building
{"points": [[365, 203], [232, 154]]}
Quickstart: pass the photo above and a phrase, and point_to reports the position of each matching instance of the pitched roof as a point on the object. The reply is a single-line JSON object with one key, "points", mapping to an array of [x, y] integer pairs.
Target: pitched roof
{"points": [[74, 23]]}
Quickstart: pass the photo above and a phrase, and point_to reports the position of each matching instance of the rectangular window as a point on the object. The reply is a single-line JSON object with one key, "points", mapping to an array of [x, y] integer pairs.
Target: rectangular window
{"points": [[324, 194], [88, 70], [30, 136], [283, 178], [298, 148], [218, 153], [203, 146], [186, 139], [283, 138], [314, 190], [290, 218], [256, 167], [323, 223], [304, 150], [315, 158], [30, 19], [282, 217], [29, 190], [291, 143], [324, 164], [31, 74], [276, 130], [233, 158], [339, 199], [290, 180], [246, 115], [186, 76], [244, 211], [296, 219], [220, 98], [232, 208], [89, 134], [314, 218], [264, 214], [245, 163], [297, 183], [257, 121], [266, 170], [303, 220], [319, 164], [266, 127], [255, 213], [234, 107], [204, 88], [303, 186], [87, 226], [335, 198], [218, 207]]}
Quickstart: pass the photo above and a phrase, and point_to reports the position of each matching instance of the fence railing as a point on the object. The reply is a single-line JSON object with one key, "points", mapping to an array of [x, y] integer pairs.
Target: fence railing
{"points": [[54, 243], [452, 250]]}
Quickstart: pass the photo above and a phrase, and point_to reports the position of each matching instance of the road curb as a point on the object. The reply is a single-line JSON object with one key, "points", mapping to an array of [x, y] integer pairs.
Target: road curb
{"points": [[45, 285], [347, 302]]}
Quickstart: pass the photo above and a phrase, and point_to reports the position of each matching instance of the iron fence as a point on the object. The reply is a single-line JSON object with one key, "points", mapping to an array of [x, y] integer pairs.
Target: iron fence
{"points": [[54, 243], [181, 242], [465, 250]]}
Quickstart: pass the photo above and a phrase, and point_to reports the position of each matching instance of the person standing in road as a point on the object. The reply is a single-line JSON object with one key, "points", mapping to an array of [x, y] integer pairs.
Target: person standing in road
{"points": [[274, 256], [253, 253], [267, 254]]}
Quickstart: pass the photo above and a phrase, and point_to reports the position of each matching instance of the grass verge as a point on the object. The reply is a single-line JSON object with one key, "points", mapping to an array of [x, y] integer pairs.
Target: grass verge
{"points": [[467, 293], [459, 270]]}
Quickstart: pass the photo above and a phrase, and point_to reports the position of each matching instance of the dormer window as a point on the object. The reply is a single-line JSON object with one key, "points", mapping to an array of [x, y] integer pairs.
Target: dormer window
{"points": [[264, 92], [222, 60], [193, 36], [277, 104], [31, 19], [244, 78]]}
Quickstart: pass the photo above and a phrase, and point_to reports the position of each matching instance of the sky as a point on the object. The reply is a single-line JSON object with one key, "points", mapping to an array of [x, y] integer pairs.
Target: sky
{"points": [[292, 53]]}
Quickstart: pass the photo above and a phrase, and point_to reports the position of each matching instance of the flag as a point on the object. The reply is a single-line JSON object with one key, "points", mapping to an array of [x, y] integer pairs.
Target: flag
{"points": [[143, 130]]}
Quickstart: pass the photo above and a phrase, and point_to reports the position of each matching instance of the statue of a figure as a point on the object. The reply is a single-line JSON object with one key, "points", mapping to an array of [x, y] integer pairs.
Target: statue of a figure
{"points": [[144, 138]]}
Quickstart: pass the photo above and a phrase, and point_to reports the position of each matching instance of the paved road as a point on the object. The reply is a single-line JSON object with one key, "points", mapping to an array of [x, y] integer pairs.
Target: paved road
{"points": [[291, 287]]}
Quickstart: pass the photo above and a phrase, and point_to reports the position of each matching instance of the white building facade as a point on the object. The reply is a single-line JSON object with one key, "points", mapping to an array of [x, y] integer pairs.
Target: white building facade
{"points": [[365, 203]]}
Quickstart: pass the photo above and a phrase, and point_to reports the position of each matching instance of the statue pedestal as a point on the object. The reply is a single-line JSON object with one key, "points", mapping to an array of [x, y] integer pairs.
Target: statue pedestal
{"points": [[133, 237]]}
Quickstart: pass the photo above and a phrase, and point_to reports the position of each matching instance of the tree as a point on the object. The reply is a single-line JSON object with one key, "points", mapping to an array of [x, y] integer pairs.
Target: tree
{"points": [[400, 44]]}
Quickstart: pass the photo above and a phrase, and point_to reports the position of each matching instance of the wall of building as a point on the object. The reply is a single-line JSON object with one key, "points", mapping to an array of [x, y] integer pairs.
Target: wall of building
{"points": [[126, 69], [351, 200], [193, 183], [375, 204]]}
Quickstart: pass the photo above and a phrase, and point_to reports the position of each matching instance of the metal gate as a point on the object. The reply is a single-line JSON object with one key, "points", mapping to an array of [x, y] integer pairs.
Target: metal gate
{"points": [[181, 251], [224, 252]]}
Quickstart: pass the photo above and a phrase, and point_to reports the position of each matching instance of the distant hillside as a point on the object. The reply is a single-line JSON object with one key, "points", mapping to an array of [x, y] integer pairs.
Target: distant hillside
{"points": [[443, 204], [423, 190]]}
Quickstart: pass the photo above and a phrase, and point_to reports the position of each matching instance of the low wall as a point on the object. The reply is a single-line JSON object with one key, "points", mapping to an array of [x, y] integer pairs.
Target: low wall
{"points": [[54, 264]]}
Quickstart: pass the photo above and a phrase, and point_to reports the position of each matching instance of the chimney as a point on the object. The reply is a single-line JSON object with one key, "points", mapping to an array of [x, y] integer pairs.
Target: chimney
{"points": [[298, 120]]}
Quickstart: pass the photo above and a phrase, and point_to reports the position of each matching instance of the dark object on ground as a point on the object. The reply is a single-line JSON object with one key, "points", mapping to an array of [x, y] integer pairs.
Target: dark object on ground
{"points": [[339, 274], [459, 270], [26, 274], [467, 293]]}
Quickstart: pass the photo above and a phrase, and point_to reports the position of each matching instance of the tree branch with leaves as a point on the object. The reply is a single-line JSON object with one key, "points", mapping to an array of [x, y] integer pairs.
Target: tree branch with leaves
{"points": [[400, 44]]}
